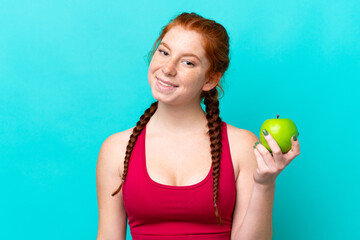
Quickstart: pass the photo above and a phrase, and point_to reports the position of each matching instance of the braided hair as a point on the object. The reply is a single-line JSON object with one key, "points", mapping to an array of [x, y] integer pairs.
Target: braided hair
{"points": [[216, 45]]}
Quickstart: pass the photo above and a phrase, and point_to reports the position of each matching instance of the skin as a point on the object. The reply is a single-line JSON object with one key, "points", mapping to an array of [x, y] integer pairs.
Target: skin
{"points": [[178, 129], [169, 152], [179, 111]]}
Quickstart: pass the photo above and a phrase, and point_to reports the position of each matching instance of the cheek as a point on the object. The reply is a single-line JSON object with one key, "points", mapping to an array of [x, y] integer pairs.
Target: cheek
{"points": [[151, 76], [195, 80], [192, 87], [152, 68]]}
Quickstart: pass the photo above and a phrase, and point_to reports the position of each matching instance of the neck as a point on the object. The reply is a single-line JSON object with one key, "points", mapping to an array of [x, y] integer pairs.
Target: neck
{"points": [[179, 119]]}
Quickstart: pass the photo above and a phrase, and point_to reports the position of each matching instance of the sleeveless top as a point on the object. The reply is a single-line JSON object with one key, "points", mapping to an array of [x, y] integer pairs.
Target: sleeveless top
{"points": [[158, 211]]}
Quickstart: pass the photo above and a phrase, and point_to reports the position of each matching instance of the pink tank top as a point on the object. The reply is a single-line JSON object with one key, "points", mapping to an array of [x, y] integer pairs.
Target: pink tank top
{"points": [[158, 211]]}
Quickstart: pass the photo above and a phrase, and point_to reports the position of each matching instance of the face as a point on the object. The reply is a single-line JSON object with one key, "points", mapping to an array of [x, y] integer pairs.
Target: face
{"points": [[177, 70]]}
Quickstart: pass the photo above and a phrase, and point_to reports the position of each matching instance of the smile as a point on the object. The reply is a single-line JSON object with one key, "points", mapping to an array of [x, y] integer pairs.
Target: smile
{"points": [[164, 87], [165, 84]]}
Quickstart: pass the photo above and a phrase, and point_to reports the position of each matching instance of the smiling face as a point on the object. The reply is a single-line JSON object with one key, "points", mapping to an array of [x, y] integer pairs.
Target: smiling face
{"points": [[177, 69]]}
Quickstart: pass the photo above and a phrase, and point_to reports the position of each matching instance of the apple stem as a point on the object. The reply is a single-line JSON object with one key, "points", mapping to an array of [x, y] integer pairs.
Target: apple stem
{"points": [[278, 116]]}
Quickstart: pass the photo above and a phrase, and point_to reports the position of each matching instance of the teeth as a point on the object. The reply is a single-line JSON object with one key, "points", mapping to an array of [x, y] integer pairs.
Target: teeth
{"points": [[166, 85]]}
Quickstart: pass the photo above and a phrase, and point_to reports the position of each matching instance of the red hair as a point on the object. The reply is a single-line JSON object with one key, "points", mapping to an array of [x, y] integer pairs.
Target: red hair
{"points": [[216, 46]]}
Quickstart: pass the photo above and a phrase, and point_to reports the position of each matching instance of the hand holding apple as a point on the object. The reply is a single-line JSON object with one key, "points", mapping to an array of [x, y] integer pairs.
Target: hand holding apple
{"points": [[282, 146], [282, 130]]}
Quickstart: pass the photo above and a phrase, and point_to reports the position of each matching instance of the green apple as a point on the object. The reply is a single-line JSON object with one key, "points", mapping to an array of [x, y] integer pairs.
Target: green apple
{"points": [[282, 131]]}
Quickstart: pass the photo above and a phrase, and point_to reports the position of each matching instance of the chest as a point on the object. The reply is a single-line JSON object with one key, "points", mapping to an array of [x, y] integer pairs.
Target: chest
{"points": [[178, 161]]}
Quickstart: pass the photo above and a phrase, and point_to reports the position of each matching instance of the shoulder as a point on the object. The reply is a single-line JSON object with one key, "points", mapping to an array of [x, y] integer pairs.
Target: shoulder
{"points": [[112, 214], [112, 151], [118, 138], [241, 143], [241, 137], [240, 134]]}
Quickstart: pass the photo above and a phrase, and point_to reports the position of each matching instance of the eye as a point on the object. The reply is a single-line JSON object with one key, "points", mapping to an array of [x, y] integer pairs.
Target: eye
{"points": [[188, 63], [161, 51], [191, 64]]}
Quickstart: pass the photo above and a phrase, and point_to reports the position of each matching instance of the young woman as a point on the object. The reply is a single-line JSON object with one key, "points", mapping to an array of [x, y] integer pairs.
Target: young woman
{"points": [[184, 173]]}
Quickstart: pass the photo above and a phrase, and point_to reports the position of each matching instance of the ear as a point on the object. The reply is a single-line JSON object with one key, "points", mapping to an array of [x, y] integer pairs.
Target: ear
{"points": [[212, 82]]}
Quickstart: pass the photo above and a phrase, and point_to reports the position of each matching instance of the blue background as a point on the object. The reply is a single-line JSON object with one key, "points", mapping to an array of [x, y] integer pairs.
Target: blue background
{"points": [[74, 72]]}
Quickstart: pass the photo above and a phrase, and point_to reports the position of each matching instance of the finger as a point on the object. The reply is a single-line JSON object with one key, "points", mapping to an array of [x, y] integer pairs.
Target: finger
{"points": [[260, 161], [276, 150], [294, 151], [265, 155]]}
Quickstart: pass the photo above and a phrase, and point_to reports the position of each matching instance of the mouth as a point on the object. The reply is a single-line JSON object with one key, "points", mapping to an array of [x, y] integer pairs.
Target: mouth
{"points": [[166, 83]]}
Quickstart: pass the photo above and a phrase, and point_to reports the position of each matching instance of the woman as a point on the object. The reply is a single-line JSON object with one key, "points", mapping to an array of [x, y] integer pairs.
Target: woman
{"points": [[168, 191]]}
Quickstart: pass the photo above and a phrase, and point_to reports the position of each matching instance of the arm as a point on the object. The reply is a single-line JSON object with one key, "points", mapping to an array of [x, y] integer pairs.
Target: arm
{"points": [[252, 218], [257, 223], [112, 216], [256, 186]]}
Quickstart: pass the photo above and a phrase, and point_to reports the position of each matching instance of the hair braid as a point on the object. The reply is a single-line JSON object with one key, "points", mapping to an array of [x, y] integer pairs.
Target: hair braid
{"points": [[214, 123], [216, 45], [140, 125]]}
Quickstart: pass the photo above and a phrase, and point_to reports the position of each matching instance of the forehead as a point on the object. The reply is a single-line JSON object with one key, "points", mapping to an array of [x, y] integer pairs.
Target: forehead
{"points": [[182, 40]]}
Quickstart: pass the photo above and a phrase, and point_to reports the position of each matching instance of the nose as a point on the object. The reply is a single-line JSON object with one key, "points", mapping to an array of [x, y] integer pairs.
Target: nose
{"points": [[169, 68]]}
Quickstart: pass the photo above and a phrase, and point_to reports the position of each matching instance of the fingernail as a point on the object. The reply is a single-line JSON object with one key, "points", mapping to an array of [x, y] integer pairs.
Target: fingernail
{"points": [[265, 132], [295, 138], [256, 145]]}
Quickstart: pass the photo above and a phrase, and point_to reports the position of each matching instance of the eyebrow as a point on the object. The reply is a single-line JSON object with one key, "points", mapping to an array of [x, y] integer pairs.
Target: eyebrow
{"points": [[185, 54]]}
